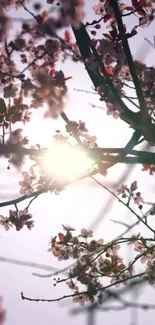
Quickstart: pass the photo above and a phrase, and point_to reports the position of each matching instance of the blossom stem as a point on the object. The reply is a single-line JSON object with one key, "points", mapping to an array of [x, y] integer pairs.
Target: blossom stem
{"points": [[23, 297], [22, 198]]}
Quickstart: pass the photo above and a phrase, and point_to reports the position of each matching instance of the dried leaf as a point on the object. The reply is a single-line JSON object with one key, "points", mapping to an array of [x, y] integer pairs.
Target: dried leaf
{"points": [[133, 186]]}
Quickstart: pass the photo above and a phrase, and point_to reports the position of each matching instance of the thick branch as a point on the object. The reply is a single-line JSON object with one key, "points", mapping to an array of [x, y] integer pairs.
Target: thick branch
{"points": [[45, 190], [85, 46], [66, 119], [23, 198], [144, 117], [129, 58], [106, 154]]}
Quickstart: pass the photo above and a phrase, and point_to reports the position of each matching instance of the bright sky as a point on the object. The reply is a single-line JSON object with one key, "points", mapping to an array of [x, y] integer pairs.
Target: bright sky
{"points": [[80, 205]]}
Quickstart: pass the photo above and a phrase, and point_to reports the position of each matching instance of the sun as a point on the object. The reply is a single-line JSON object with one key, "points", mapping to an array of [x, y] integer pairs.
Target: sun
{"points": [[62, 161], [65, 162]]}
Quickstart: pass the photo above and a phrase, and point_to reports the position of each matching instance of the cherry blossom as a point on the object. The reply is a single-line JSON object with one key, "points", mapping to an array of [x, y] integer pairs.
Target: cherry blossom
{"points": [[99, 8], [111, 110], [19, 219], [86, 233], [4, 221]]}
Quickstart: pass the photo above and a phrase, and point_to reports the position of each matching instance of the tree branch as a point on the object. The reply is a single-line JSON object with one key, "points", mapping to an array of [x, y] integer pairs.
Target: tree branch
{"points": [[83, 292], [145, 119], [127, 206], [85, 44]]}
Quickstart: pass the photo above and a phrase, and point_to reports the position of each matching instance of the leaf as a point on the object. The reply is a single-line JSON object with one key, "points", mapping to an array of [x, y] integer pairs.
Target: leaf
{"points": [[120, 267], [107, 36], [141, 12], [52, 72], [137, 5], [133, 186], [126, 7], [106, 18], [25, 217], [67, 36], [44, 15], [109, 71], [12, 213], [68, 237], [124, 25], [113, 33], [61, 236]]}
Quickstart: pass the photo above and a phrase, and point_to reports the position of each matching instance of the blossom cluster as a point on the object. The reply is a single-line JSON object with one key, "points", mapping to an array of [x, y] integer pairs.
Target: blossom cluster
{"points": [[96, 261], [131, 194], [36, 179], [146, 252], [17, 219]]}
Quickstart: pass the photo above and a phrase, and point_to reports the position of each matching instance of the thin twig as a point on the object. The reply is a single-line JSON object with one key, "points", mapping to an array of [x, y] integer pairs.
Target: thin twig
{"points": [[127, 206], [83, 292]]}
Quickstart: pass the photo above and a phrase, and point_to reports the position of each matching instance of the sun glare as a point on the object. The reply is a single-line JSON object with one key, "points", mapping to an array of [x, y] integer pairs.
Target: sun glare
{"points": [[65, 162]]}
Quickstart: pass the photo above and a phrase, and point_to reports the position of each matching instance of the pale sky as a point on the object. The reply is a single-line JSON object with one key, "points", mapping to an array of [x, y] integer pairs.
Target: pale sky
{"points": [[78, 205]]}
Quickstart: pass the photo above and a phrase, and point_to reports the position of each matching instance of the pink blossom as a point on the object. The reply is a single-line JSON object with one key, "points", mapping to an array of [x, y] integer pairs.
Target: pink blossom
{"points": [[5, 222], [111, 110], [99, 8], [122, 189], [86, 233]]}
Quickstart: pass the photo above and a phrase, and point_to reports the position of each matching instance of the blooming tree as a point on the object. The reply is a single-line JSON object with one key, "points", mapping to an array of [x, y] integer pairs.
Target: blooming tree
{"points": [[113, 72]]}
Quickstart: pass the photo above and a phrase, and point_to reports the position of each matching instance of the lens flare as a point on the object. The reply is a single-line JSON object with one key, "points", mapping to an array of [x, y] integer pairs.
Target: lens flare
{"points": [[65, 162]]}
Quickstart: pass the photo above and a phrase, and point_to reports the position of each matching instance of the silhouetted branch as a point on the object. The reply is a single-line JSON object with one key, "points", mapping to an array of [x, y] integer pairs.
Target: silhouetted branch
{"points": [[126, 205], [86, 292], [45, 190]]}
